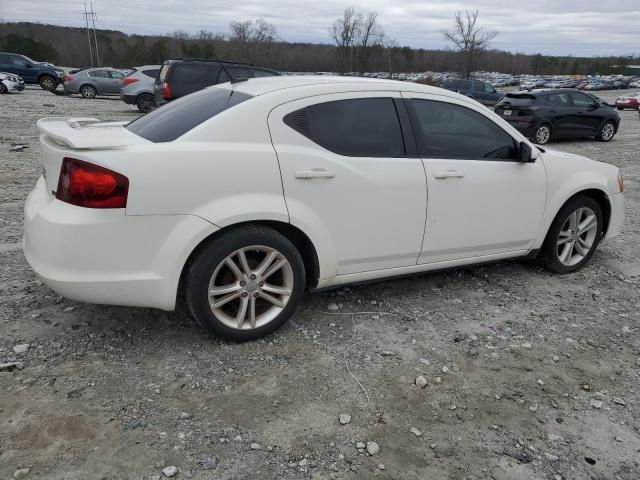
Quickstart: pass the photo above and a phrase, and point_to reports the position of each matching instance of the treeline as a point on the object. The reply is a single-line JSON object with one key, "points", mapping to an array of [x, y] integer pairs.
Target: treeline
{"points": [[258, 43]]}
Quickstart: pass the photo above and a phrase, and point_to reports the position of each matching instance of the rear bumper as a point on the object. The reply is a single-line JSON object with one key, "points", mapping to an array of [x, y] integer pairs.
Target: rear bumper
{"points": [[526, 126], [106, 256], [617, 215], [130, 99]]}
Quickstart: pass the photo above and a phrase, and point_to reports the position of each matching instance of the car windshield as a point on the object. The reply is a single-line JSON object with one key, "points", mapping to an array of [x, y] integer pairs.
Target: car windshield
{"points": [[178, 117]]}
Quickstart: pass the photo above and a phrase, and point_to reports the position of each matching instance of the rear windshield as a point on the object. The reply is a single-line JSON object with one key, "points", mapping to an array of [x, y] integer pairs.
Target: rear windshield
{"points": [[163, 72], [174, 119], [518, 100]]}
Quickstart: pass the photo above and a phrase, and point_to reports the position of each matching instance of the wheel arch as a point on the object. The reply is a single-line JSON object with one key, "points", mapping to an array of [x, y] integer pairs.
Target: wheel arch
{"points": [[596, 194], [300, 240]]}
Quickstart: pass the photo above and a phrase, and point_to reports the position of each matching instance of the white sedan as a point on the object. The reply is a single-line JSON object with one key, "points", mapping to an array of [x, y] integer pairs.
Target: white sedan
{"points": [[243, 195]]}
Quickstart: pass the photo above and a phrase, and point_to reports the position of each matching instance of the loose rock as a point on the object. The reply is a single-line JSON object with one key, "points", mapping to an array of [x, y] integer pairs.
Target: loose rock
{"points": [[373, 448], [21, 348], [416, 432], [256, 446], [170, 471], [345, 418], [22, 473], [421, 381]]}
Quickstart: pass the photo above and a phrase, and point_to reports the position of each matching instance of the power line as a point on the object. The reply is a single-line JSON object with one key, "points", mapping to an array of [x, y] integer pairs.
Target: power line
{"points": [[86, 20], [95, 38]]}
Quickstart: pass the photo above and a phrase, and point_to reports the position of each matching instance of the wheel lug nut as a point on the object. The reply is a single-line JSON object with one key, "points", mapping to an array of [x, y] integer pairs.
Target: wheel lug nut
{"points": [[253, 277], [242, 284], [261, 284], [244, 294], [255, 294]]}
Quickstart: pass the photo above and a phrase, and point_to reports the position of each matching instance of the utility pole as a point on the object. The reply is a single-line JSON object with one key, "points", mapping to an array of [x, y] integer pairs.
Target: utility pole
{"points": [[86, 20], [95, 38]]}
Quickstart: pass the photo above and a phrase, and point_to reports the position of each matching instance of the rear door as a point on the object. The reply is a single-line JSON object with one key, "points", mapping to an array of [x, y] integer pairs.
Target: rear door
{"points": [[482, 201], [5, 63], [100, 80], [349, 179], [561, 114]]}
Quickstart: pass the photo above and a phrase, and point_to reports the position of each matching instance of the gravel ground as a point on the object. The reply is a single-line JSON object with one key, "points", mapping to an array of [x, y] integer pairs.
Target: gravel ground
{"points": [[528, 375]]}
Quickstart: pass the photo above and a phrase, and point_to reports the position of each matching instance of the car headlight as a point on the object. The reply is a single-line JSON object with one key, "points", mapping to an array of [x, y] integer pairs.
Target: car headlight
{"points": [[620, 182]]}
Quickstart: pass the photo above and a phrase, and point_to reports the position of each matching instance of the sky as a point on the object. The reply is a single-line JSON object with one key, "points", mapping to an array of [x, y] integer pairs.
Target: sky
{"points": [[555, 27]]}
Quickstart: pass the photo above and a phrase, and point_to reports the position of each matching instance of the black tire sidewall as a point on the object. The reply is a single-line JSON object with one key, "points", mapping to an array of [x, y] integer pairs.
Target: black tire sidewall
{"points": [[211, 255], [549, 247], [3, 88], [95, 92], [47, 77], [535, 134], [139, 100], [607, 122]]}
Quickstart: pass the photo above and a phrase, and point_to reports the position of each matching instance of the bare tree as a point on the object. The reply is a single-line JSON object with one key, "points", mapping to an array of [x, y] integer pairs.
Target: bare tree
{"points": [[343, 32], [468, 38], [390, 45], [369, 33], [240, 36]]}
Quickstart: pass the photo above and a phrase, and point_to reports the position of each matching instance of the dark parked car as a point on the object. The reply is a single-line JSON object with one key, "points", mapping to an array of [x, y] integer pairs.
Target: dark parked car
{"points": [[546, 114], [481, 91], [178, 78], [32, 72]]}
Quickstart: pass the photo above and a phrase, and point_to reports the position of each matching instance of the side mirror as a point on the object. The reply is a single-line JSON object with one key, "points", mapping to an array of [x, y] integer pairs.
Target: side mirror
{"points": [[525, 154]]}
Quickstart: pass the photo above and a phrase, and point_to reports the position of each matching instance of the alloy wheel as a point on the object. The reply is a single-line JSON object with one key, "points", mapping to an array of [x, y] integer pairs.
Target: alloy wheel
{"points": [[250, 287], [607, 131], [47, 83], [88, 92], [577, 236], [543, 134]]}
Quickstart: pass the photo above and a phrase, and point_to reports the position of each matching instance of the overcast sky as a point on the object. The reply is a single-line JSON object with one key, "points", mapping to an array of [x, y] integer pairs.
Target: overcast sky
{"points": [[577, 27]]}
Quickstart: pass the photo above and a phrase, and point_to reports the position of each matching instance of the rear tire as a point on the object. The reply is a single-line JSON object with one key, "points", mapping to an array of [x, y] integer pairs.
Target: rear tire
{"points": [[88, 91], [572, 240], [542, 134], [606, 132], [145, 102], [235, 288], [48, 83], [3, 88]]}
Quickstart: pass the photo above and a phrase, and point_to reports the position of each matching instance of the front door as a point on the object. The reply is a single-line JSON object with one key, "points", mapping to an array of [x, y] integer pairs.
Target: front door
{"points": [[588, 114], [482, 201], [348, 179]]}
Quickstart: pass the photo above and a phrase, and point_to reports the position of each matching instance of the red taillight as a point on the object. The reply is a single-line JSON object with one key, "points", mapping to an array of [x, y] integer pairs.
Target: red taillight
{"points": [[166, 91], [68, 78], [128, 81], [91, 186]]}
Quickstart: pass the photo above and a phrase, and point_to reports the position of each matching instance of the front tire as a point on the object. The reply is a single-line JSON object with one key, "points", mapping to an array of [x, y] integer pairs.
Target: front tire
{"points": [[48, 83], [3, 88], [245, 283], [606, 132], [88, 91], [542, 134], [573, 236]]}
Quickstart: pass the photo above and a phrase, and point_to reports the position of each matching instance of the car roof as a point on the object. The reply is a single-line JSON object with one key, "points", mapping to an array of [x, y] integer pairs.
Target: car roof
{"points": [[263, 85]]}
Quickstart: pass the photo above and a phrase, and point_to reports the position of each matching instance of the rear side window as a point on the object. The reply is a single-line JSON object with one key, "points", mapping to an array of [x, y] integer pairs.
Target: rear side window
{"points": [[516, 100], [446, 130], [559, 99], [196, 73], [153, 73], [98, 74], [174, 119], [363, 127]]}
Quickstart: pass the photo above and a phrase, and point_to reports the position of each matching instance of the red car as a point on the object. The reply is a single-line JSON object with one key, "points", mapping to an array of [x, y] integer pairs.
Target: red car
{"points": [[628, 100]]}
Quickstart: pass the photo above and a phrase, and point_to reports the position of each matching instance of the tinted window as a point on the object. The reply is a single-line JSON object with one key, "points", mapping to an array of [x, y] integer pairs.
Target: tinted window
{"points": [[559, 99], [263, 73], [582, 100], [445, 130], [364, 127], [198, 73], [178, 117], [98, 74], [4, 59], [517, 100], [153, 73], [18, 60]]}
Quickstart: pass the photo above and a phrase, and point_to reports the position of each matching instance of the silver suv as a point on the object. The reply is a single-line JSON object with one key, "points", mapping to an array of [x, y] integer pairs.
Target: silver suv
{"points": [[137, 87]]}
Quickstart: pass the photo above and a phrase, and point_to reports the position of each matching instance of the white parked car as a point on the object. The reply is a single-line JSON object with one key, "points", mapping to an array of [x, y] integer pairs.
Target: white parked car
{"points": [[10, 83], [243, 195]]}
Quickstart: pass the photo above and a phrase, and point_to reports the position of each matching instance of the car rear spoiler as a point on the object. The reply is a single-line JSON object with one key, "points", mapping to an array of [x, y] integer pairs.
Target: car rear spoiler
{"points": [[88, 133]]}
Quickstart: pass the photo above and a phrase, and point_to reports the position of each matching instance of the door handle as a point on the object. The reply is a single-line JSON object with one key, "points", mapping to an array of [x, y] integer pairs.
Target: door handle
{"points": [[314, 173], [441, 174]]}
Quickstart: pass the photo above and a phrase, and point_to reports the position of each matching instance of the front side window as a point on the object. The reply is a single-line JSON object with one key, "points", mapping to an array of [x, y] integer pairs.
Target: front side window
{"points": [[446, 130], [362, 127], [19, 61], [581, 100], [178, 117], [116, 75]]}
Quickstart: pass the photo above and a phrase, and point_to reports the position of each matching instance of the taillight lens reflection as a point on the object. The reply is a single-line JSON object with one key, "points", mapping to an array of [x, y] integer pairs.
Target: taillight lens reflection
{"points": [[92, 186]]}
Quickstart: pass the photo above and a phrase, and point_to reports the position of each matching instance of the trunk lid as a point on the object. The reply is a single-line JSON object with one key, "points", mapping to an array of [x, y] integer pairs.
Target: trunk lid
{"points": [[70, 137]]}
